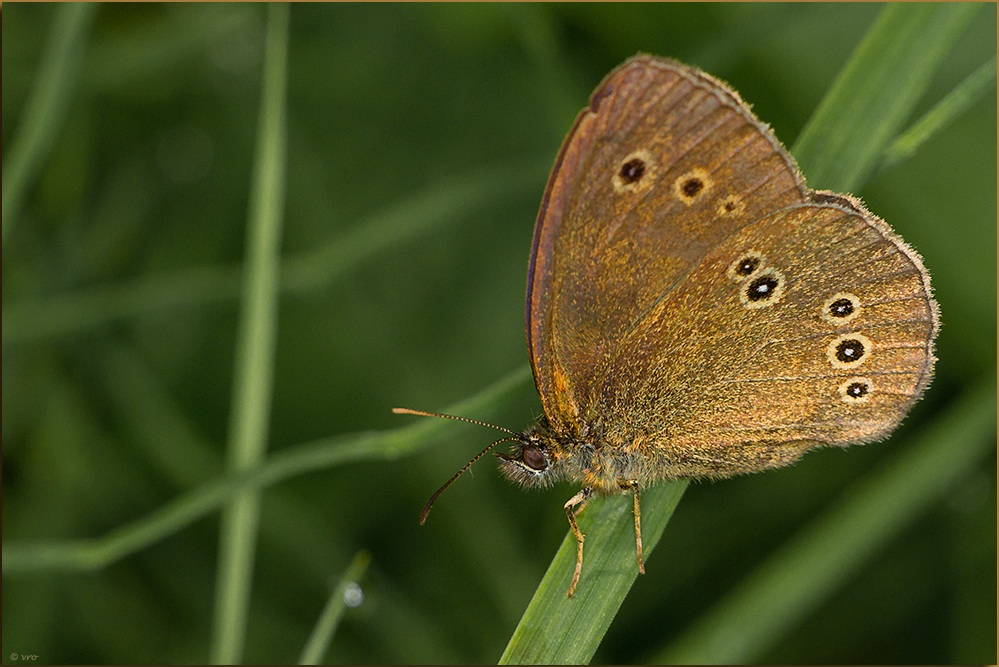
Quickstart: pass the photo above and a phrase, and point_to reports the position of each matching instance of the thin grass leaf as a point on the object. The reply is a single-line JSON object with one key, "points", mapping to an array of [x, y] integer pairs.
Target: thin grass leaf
{"points": [[794, 580], [871, 99], [159, 429], [256, 342], [46, 108], [30, 319], [842, 162], [955, 103], [533, 27], [559, 630], [417, 216], [91, 554], [322, 635]]}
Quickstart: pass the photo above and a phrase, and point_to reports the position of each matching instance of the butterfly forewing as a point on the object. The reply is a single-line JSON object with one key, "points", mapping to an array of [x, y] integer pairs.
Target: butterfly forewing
{"points": [[664, 164]]}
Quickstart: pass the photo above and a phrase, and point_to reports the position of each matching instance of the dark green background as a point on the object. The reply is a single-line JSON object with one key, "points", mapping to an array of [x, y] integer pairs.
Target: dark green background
{"points": [[150, 174]]}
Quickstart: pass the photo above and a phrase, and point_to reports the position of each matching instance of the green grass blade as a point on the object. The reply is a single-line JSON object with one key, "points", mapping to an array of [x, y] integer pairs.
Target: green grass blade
{"points": [[34, 318], [256, 343], [559, 630], [46, 108], [841, 163], [943, 112], [417, 216], [874, 94], [804, 572], [31, 319], [322, 635], [91, 554]]}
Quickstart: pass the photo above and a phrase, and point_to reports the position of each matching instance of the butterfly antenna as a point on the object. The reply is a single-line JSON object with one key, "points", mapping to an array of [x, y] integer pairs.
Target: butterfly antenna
{"points": [[430, 503], [433, 498], [421, 413]]}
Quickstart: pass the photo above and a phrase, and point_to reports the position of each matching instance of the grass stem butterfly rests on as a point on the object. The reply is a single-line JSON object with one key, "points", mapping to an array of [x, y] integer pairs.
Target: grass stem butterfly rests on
{"points": [[694, 310]]}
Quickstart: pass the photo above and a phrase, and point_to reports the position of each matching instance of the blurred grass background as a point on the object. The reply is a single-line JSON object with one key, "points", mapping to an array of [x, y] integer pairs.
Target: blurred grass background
{"points": [[419, 139]]}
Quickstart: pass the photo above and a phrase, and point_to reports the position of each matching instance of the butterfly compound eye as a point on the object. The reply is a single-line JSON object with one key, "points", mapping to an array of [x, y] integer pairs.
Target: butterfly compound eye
{"points": [[534, 458]]}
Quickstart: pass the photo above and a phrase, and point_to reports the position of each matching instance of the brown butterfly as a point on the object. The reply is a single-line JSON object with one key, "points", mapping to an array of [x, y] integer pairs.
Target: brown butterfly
{"points": [[694, 310]]}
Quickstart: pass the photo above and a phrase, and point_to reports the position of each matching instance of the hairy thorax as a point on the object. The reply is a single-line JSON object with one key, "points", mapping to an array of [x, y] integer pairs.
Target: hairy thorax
{"points": [[542, 456]]}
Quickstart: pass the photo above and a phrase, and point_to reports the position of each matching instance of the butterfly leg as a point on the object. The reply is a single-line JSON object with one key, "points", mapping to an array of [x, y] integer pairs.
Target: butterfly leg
{"points": [[578, 499], [638, 527], [633, 485]]}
